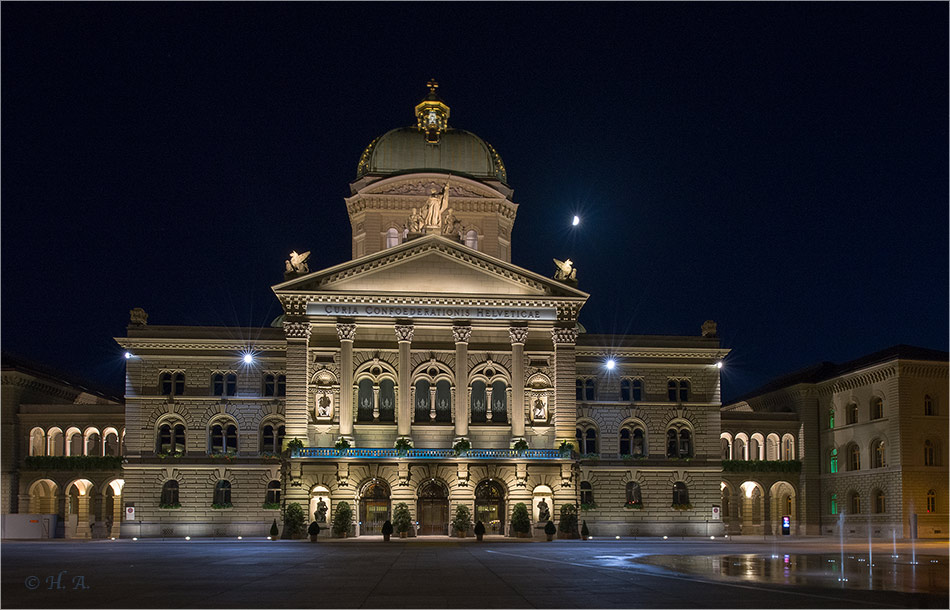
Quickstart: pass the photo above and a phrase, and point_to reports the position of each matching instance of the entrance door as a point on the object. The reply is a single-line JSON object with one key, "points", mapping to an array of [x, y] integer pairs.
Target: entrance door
{"points": [[374, 509], [433, 509], [490, 506]]}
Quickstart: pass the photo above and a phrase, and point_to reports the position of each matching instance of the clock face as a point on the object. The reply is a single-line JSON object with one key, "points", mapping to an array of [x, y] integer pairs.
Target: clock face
{"points": [[433, 118]]}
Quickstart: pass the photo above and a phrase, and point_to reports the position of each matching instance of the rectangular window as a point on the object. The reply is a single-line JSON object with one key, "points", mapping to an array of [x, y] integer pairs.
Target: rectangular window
{"points": [[637, 390], [269, 385], [179, 384], [282, 385]]}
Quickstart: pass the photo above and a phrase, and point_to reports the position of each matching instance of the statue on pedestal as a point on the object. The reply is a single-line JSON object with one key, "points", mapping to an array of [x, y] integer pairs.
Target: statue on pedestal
{"points": [[565, 270], [323, 406], [297, 263], [417, 222], [451, 225], [436, 205], [320, 515], [538, 408], [544, 513]]}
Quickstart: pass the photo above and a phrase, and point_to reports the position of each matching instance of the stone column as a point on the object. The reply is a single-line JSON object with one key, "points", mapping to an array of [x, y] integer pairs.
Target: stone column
{"points": [[298, 377], [518, 334], [565, 371], [347, 334], [767, 510], [82, 525], [117, 515], [404, 415], [462, 334]]}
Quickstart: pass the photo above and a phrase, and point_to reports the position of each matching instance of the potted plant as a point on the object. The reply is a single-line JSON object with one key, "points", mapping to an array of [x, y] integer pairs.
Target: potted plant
{"points": [[273, 530], [294, 445], [294, 521], [342, 445], [520, 520], [387, 531], [567, 526], [462, 447], [402, 520], [462, 520], [403, 445], [566, 448], [479, 531], [521, 446], [585, 533], [550, 530], [313, 530], [342, 520]]}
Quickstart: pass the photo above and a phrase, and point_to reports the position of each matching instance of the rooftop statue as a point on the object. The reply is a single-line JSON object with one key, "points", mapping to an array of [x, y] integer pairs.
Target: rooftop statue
{"points": [[297, 263], [436, 205], [417, 222], [565, 270]]}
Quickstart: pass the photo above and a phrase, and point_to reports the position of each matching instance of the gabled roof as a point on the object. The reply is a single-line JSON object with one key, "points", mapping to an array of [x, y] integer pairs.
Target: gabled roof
{"points": [[431, 265]]}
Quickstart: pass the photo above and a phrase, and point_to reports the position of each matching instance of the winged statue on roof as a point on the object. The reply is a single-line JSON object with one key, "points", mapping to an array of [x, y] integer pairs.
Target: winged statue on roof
{"points": [[565, 270]]}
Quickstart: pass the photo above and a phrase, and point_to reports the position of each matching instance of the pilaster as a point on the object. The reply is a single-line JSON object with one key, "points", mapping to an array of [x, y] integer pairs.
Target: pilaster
{"points": [[404, 415], [565, 371], [462, 335], [298, 377], [518, 335], [347, 334]]}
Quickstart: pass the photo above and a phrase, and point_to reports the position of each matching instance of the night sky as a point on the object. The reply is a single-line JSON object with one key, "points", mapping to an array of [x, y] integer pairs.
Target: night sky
{"points": [[779, 168]]}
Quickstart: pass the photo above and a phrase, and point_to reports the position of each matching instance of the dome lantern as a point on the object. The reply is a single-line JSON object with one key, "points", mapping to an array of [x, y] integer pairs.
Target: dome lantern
{"points": [[432, 114]]}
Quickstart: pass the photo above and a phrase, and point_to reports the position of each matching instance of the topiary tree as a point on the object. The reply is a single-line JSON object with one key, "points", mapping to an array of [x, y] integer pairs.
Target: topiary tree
{"points": [[402, 520], [273, 529], [294, 521], [462, 520], [342, 519], [568, 523], [520, 519]]}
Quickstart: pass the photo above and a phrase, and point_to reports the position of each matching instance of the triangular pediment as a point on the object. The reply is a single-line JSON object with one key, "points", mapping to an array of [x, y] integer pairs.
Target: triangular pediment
{"points": [[430, 265]]}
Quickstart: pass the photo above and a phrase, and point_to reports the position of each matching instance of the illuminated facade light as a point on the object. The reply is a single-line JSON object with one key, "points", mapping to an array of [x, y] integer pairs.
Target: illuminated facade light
{"points": [[128, 355], [248, 358], [611, 363], [719, 364]]}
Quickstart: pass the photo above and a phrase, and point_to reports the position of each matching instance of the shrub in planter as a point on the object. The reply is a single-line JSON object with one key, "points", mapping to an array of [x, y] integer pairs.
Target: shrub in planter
{"points": [[295, 445], [313, 530], [342, 445], [294, 521], [402, 520], [566, 448], [387, 531], [462, 447], [462, 520], [273, 530], [402, 446], [550, 530], [342, 519], [585, 533], [521, 446], [479, 531], [520, 520], [567, 526]]}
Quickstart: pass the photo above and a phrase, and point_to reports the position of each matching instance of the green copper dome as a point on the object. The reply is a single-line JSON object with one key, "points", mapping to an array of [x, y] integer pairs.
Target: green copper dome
{"points": [[432, 145]]}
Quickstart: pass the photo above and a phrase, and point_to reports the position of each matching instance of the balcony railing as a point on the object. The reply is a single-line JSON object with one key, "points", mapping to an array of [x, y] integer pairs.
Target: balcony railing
{"points": [[431, 454]]}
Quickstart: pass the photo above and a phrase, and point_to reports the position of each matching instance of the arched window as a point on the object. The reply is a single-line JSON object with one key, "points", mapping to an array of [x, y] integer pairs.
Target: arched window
{"points": [[724, 449], [170, 494], [831, 419], [852, 413], [931, 501], [579, 389], [111, 447], [738, 449], [878, 459], [632, 441], [833, 461], [639, 443], [637, 390], [854, 457], [928, 405], [679, 442], [223, 439], [172, 384], [834, 504], [37, 442], [56, 442], [424, 402], [855, 503], [272, 438], [387, 400], [587, 493], [680, 494], [788, 448], [880, 503], [479, 401], [589, 391], [471, 239], [364, 401], [753, 449], [217, 439], [671, 443], [929, 453], [273, 493], [92, 444], [224, 384], [75, 442], [625, 448], [633, 494], [686, 444], [877, 408], [625, 390], [275, 385], [586, 439], [684, 391], [499, 402], [392, 238], [443, 401], [222, 494]]}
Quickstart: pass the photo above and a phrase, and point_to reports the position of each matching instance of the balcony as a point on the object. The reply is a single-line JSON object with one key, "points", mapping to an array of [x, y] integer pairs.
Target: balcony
{"points": [[430, 454]]}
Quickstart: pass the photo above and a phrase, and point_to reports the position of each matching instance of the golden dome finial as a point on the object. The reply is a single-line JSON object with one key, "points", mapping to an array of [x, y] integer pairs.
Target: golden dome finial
{"points": [[432, 85]]}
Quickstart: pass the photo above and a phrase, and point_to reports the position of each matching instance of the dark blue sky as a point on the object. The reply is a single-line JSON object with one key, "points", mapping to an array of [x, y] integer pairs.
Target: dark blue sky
{"points": [[780, 168]]}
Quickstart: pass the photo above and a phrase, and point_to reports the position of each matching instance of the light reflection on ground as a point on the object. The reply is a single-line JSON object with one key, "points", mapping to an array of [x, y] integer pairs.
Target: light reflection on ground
{"points": [[929, 575]]}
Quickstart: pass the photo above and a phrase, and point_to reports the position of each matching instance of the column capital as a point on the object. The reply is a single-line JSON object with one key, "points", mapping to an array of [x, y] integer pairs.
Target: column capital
{"points": [[346, 332], [518, 334], [297, 330], [462, 334], [564, 336], [404, 332]]}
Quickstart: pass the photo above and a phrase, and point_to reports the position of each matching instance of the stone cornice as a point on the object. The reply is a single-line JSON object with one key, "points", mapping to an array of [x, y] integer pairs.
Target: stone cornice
{"points": [[657, 352], [22, 380], [854, 380], [134, 343], [404, 203]]}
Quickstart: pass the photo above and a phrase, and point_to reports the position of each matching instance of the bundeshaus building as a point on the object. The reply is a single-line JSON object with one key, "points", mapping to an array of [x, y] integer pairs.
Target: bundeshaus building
{"points": [[428, 369]]}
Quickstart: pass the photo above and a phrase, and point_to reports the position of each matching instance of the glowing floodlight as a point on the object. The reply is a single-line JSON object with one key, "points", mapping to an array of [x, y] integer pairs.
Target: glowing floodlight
{"points": [[719, 364], [611, 363], [128, 355], [248, 358], [187, 537], [576, 221], [664, 537]]}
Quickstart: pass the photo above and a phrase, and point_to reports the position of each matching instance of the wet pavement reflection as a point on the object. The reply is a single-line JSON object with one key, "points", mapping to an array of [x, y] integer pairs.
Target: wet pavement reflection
{"points": [[887, 573]]}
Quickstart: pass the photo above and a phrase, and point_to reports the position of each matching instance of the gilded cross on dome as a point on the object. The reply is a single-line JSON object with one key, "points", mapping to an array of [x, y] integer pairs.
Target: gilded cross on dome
{"points": [[432, 114]]}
